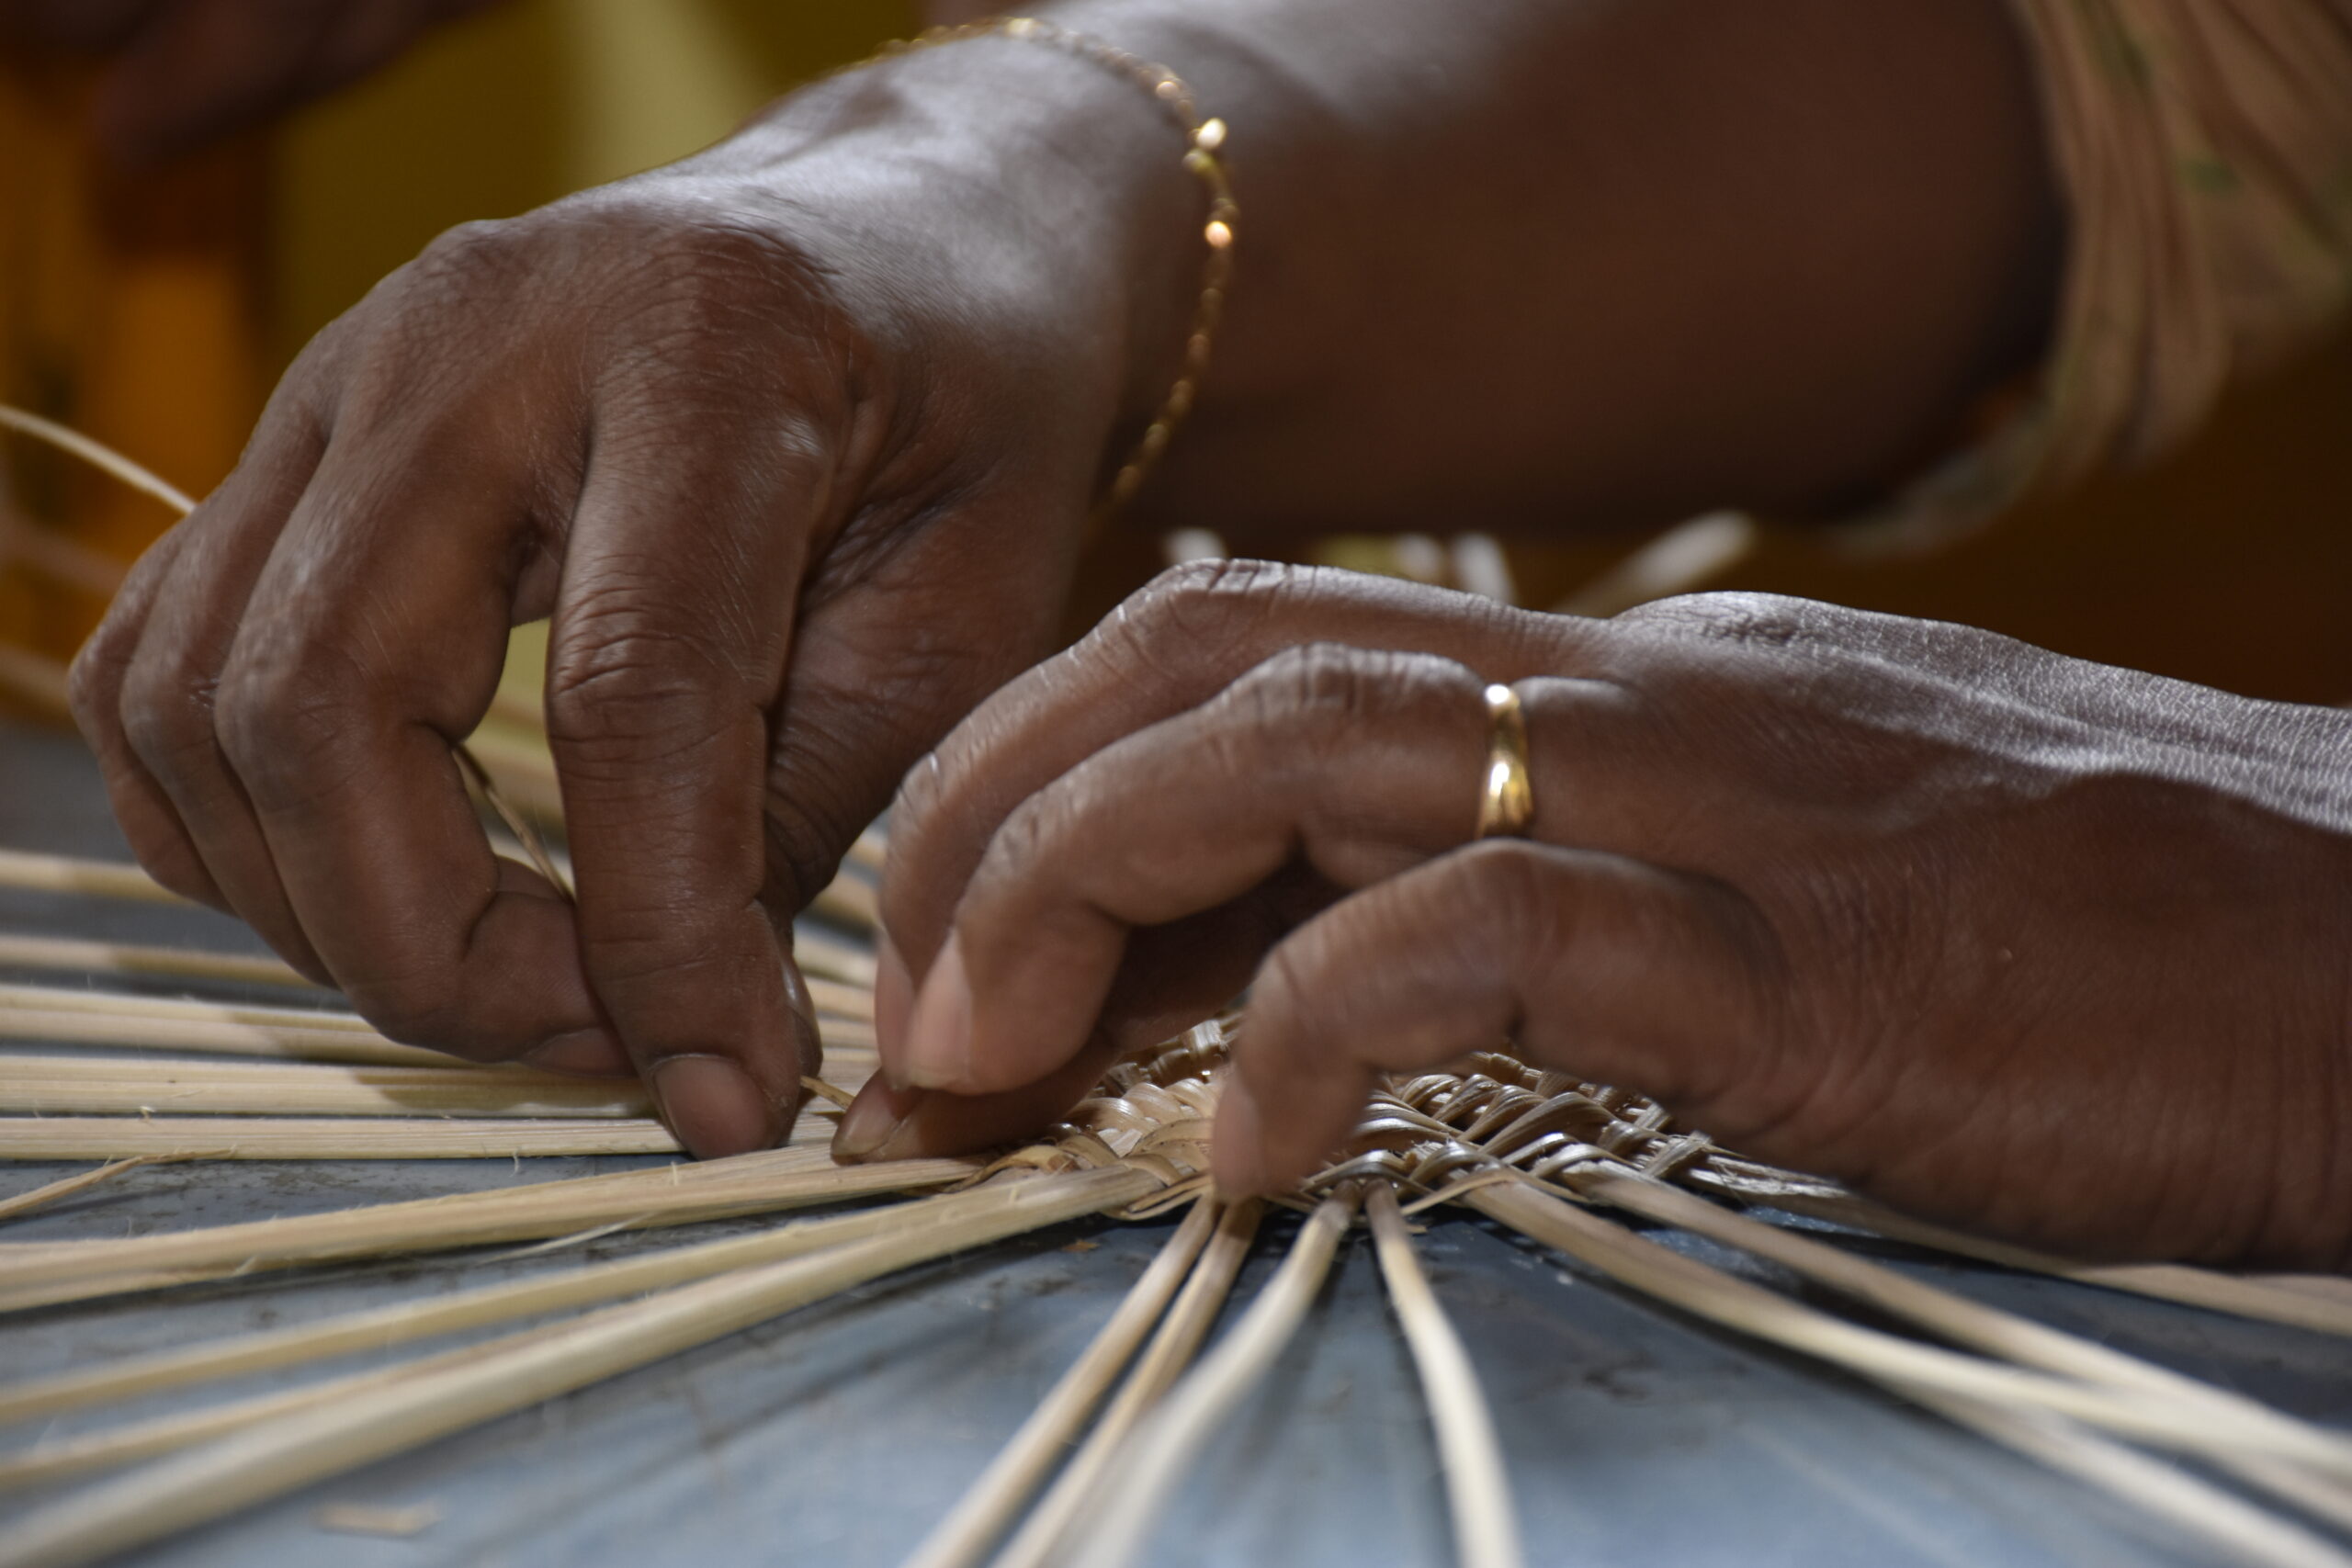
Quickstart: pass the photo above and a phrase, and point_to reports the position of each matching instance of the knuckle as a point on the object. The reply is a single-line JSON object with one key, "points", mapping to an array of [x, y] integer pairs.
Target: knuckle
{"points": [[1204, 611], [630, 672], [1763, 620], [286, 718], [1322, 697], [166, 709]]}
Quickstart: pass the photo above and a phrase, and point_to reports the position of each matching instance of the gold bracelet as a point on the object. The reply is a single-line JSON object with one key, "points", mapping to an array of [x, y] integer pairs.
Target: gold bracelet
{"points": [[1203, 139]]}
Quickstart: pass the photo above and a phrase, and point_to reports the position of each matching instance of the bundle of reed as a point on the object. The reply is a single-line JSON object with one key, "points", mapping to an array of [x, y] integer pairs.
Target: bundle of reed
{"points": [[1542, 1154]]}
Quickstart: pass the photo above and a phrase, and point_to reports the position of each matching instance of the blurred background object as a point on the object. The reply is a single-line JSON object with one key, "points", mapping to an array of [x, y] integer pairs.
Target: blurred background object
{"points": [[151, 301]]}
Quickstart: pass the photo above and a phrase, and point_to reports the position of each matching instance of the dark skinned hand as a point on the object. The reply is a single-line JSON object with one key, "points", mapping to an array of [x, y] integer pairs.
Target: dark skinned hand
{"points": [[2013, 942], [182, 73], [769, 435]]}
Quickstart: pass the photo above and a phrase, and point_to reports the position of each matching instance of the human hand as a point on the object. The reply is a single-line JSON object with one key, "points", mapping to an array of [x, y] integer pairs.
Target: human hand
{"points": [[2015, 942], [793, 443], [182, 73]]}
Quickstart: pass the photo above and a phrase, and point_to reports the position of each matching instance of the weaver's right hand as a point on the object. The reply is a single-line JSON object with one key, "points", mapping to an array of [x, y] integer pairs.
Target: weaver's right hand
{"points": [[793, 441]]}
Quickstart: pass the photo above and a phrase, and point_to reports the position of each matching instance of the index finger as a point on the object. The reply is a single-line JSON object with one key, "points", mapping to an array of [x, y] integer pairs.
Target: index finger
{"points": [[666, 663], [1169, 648]]}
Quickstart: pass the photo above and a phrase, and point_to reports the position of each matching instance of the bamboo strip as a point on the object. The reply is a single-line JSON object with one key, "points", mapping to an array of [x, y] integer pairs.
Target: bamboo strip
{"points": [[992, 1502], [822, 953], [47, 1463], [850, 900], [847, 1038], [2273, 1299], [215, 1038], [62, 1015], [1900, 1364], [1965, 1322], [98, 455], [81, 1086], [1172, 1347], [26, 1202], [1485, 1523], [20, 951], [1132, 1493], [828, 996], [327, 1137], [92, 878], [2247, 1534], [119, 1004], [871, 848], [44, 1273], [291, 1452], [482, 1306]]}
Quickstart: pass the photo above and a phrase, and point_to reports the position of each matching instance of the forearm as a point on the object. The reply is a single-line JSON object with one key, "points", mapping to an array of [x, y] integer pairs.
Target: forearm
{"points": [[1515, 262]]}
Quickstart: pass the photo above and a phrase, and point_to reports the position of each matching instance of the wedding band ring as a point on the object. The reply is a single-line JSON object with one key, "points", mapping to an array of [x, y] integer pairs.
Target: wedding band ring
{"points": [[1507, 802]]}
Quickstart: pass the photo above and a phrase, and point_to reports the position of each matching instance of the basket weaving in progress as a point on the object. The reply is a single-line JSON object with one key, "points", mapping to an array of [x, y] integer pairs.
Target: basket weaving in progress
{"points": [[168, 1379]]}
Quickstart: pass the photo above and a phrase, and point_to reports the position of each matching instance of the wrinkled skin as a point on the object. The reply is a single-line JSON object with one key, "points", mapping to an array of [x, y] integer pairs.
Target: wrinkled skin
{"points": [[181, 72], [2012, 941], [794, 441], [788, 480]]}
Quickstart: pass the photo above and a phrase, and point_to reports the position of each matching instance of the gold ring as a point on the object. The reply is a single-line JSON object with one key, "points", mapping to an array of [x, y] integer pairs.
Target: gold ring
{"points": [[1508, 801]]}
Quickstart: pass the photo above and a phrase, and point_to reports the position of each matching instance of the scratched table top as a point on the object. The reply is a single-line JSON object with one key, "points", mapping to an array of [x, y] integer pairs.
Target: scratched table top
{"points": [[838, 1434]]}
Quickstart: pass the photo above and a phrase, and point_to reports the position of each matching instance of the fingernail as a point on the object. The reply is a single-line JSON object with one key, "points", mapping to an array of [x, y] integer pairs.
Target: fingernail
{"points": [[1239, 1149], [894, 995], [877, 1112], [939, 1035], [592, 1052], [713, 1106]]}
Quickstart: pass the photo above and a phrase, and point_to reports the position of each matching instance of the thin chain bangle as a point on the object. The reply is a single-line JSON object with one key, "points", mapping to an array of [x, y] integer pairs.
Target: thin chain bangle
{"points": [[1203, 139]]}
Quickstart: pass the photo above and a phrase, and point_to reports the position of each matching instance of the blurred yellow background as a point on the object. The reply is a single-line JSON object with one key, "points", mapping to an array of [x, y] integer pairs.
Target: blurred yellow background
{"points": [[154, 314]]}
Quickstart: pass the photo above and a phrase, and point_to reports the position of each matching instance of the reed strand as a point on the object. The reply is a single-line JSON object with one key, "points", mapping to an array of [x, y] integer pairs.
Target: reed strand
{"points": [[43, 1273], [290, 1451], [992, 1502], [1179, 1335], [481, 1306], [1138, 1487], [1485, 1524]]}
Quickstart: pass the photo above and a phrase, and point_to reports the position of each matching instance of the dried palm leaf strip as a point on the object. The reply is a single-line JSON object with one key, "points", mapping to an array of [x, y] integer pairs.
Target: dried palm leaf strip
{"points": [[1164, 1360], [1903, 1365], [35, 1274], [85, 1085], [1485, 1524], [1131, 1495], [992, 1502], [1961, 1321], [291, 1452], [20, 951], [483, 1306]]}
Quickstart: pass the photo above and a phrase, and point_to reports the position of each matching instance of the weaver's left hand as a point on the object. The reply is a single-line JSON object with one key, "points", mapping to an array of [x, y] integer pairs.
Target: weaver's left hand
{"points": [[2010, 940]]}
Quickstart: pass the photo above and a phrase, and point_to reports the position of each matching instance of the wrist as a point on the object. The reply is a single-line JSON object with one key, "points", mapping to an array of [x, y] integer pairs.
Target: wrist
{"points": [[1061, 184]]}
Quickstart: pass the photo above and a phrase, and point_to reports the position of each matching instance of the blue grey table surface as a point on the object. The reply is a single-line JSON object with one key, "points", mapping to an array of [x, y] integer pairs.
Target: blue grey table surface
{"points": [[836, 1435]]}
